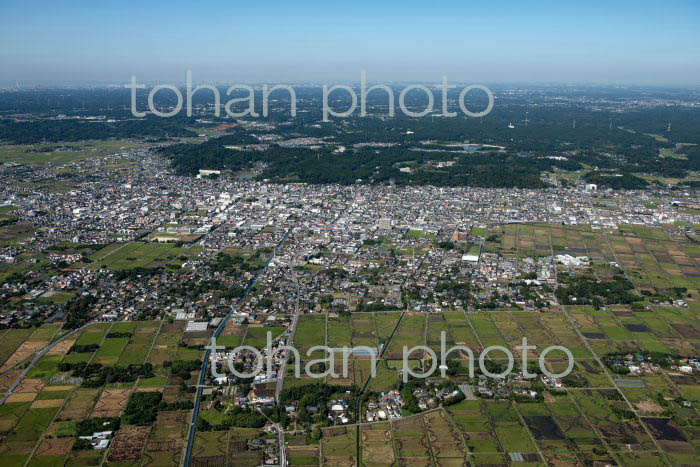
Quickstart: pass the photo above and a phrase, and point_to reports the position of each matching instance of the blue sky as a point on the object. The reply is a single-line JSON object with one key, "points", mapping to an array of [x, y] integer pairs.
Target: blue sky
{"points": [[625, 42]]}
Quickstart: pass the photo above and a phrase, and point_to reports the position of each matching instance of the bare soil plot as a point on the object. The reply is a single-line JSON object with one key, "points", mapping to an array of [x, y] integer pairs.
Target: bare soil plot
{"points": [[677, 447], [79, 405], [175, 326], [16, 447], [663, 429], [46, 403], [411, 441], [55, 446], [650, 406], [30, 385], [62, 347], [58, 388], [616, 434], [334, 431], [159, 445], [339, 450], [543, 427], [150, 389], [338, 368], [240, 456], [210, 461], [238, 446], [164, 341], [22, 397], [377, 448], [171, 394], [210, 444], [111, 403], [7, 379], [231, 329], [169, 428], [686, 330], [640, 434], [336, 461], [128, 443], [196, 338], [11, 339], [682, 380], [446, 443], [25, 350]]}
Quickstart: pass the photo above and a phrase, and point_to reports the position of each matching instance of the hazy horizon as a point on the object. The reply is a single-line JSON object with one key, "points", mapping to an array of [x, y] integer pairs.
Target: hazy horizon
{"points": [[629, 43]]}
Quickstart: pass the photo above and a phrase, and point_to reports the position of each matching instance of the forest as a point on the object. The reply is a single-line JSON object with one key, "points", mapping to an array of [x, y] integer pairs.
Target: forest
{"points": [[542, 129], [40, 131]]}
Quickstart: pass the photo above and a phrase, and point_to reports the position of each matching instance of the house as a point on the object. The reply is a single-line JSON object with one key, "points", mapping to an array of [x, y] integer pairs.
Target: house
{"points": [[101, 444], [263, 394]]}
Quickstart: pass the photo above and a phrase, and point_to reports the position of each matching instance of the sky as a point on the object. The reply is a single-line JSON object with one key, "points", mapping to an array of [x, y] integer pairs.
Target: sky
{"points": [[592, 42]]}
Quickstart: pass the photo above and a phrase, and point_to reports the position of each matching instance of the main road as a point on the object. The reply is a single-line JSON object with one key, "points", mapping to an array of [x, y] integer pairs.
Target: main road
{"points": [[281, 373]]}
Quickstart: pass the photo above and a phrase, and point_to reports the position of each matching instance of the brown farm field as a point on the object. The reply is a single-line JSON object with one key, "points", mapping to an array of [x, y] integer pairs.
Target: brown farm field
{"points": [[111, 403]]}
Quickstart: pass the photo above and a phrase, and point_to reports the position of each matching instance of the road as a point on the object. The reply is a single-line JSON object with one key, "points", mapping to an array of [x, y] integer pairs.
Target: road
{"points": [[280, 440], [282, 372], [289, 341], [205, 363]]}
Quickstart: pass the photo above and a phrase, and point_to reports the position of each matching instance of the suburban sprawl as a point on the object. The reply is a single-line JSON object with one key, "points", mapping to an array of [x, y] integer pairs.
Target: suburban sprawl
{"points": [[126, 245]]}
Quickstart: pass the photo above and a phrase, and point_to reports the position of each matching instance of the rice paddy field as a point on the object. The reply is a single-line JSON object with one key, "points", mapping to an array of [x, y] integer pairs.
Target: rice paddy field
{"points": [[588, 423], [571, 428], [649, 255], [579, 426], [124, 256], [37, 422], [49, 154]]}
